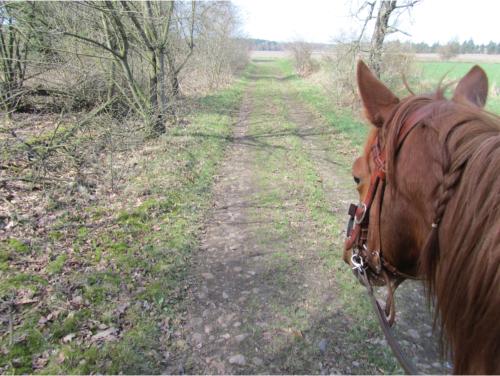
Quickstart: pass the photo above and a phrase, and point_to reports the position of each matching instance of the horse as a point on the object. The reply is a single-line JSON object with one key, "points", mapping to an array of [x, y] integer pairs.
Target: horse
{"points": [[429, 188]]}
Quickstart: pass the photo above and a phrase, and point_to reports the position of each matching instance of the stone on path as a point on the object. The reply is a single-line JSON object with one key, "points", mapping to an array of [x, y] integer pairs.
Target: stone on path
{"points": [[241, 337], [322, 345], [413, 334], [238, 360], [197, 338], [257, 361]]}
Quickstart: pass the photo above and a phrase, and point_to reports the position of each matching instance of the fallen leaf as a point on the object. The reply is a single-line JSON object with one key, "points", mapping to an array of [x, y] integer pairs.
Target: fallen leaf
{"points": [[77, 301], [61, 357], [105, 335], [69, 337], [25, 301], [40, 362], [122, 308]]}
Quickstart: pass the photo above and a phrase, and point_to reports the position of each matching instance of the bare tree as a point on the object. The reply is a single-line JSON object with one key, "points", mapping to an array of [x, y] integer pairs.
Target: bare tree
{"points": [[219, 52], [385, 13], [123, 55], [15, 43], [449, 50], [142, 39]]}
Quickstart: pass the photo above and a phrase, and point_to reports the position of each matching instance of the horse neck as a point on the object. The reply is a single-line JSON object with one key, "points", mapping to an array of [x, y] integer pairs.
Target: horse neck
{"points": [[463, 264]]}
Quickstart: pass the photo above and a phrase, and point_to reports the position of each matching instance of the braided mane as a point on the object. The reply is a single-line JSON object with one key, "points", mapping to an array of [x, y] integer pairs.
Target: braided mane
{"points": [[461, 259]]}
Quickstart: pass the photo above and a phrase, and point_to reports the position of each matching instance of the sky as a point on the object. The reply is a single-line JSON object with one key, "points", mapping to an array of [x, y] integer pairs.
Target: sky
{"points": [[323, 21]]}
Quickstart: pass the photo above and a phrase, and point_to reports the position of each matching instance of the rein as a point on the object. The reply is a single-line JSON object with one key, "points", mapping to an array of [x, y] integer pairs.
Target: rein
{"points": [[407, 364]]}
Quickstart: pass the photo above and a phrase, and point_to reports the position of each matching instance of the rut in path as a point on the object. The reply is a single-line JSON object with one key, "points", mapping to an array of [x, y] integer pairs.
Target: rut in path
{"points": [[262, 299]]}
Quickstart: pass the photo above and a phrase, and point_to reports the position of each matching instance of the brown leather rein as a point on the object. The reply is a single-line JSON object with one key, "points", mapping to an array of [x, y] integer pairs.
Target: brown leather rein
{"points": [[365, 260]]}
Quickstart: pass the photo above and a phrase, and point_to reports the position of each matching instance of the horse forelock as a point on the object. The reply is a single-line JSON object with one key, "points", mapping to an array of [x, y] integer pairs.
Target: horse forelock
{"points": [[461, 261]]}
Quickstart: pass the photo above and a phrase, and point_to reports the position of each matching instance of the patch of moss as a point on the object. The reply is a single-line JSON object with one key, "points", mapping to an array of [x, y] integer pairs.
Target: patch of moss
{"points": [[5, 255], [55, 235], [21, 280], [55, 266], [20, 354], [134, 220], [100, 286], [118, 247], [17, 246], [136, 353], [82, 233]]}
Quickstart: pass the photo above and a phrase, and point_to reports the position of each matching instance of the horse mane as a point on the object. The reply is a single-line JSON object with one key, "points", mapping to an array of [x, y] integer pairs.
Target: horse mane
{"points": [[461, 259]]}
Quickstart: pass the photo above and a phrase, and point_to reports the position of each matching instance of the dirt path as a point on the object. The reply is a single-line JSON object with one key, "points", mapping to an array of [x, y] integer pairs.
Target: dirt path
{"points": [[266, 294]]}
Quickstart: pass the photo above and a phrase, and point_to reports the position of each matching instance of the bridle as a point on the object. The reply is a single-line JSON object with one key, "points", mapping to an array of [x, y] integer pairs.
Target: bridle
{"points": [[357, 229], [365, 260], [358, 226]]}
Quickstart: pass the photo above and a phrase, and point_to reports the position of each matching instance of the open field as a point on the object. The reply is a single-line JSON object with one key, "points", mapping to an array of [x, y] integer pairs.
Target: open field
{"points": [[433, 70], [464, 58]]}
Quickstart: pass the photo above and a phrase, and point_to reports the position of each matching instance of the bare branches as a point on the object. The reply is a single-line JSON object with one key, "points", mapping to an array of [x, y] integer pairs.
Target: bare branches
{"points": [[139, 52], [385, 14]]}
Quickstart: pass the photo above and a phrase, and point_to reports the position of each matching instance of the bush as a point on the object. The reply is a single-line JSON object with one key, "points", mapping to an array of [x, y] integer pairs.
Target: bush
{"points": [[449, 50], [302, 54], [340, 65]]}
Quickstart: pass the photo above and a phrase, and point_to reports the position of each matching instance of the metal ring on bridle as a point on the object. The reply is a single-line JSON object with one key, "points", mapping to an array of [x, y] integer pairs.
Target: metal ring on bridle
{"points": [[357, 261], [363, 205]]}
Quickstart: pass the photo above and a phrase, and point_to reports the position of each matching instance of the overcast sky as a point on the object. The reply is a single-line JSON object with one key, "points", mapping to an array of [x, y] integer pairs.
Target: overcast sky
{"points": [[324, 20]]}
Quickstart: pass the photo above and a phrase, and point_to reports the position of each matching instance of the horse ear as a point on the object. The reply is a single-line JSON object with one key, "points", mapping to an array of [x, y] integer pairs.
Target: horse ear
{"points": [[378, 100], [473, 87]]}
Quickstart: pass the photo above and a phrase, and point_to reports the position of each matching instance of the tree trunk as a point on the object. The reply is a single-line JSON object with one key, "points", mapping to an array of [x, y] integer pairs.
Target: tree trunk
{"points": [[175, 85], [153, 83], [162, 85], [112, 81], [379, 33], [155, 91]]}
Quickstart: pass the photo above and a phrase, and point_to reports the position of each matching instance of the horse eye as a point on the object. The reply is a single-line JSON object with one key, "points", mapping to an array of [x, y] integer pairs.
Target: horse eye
{"points": [[356, 179]]}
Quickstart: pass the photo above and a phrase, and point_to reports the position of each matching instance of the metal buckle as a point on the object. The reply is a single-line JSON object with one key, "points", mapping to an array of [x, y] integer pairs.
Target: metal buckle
{"points": [[363, 205], [358, 263]]}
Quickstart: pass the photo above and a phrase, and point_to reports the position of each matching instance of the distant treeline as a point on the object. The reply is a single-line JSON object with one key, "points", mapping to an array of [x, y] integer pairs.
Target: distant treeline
{"points": [[270, 45], [466, 47]]}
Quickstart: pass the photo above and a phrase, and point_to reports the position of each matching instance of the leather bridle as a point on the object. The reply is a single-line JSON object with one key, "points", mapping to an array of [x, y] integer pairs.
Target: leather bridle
{"points": [[365, 260], [362, 257], [357, 229]]}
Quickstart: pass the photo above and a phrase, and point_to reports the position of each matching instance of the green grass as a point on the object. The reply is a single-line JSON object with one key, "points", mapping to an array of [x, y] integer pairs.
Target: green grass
{"points": [[454, 70], [434, 71]]}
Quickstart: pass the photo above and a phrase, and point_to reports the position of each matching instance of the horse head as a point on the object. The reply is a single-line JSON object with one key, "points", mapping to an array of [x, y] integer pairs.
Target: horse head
{"points": [[415, 181]]}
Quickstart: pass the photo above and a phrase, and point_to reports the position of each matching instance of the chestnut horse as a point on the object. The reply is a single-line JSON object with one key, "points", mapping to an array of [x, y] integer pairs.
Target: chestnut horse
{"points": [[429, 185]]}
